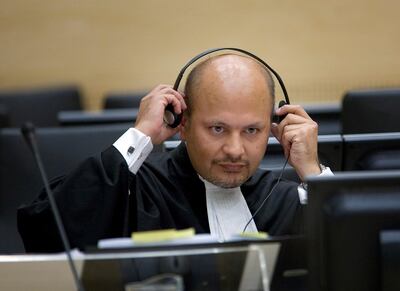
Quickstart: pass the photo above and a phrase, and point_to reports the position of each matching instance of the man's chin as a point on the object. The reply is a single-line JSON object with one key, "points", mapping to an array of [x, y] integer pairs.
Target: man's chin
{"points": [[227, 183]]}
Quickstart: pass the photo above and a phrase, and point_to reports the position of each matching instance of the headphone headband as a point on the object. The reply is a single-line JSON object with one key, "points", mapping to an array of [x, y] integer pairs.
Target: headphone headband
{"points": [[173, 119], [210, 51]]}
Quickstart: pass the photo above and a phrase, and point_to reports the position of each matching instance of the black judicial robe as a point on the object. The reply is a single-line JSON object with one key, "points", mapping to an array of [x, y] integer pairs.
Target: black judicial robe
{"points": [[95, 203]]}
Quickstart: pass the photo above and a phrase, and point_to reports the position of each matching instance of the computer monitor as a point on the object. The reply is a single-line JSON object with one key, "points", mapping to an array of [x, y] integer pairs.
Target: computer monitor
{"points": [[374, 151], [346, 216]]}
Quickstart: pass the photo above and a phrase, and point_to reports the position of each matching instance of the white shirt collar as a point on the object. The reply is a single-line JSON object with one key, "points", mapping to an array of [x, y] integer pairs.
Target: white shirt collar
{"points": [[228, 212]]}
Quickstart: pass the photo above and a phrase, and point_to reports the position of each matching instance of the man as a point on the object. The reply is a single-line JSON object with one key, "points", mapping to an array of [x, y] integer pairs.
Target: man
{"points": [[210, 182]]}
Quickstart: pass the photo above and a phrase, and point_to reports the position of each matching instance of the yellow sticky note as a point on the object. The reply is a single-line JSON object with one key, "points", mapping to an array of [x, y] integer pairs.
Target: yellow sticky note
{"points": [[161, 235], [256, 235]]}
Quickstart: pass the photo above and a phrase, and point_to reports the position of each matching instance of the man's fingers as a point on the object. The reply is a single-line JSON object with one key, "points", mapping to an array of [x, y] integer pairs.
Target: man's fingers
{"points": [[180, 97], [292, 118], [294, 109], [176, 103], [275, 131], [294, 129], [168, 90], [278, 129], [150, 119]]}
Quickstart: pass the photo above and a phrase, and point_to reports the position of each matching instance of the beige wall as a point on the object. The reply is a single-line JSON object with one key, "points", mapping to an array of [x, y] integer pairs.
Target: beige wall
{"points": [[321, 48]]}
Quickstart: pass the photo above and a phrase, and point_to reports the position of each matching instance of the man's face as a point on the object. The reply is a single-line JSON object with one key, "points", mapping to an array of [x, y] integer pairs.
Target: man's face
{"points": [[227, 132]]}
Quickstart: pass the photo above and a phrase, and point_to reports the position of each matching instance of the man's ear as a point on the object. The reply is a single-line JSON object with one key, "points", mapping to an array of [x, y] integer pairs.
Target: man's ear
{"points": [[182, 130]]}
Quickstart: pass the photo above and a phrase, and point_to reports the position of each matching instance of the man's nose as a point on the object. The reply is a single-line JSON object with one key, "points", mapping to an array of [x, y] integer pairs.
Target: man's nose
{"points": [[234, 146]]}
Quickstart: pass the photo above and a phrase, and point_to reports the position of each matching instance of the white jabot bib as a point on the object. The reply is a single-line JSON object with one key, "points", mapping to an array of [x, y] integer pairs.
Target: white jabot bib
{"points": [[227, 211]]}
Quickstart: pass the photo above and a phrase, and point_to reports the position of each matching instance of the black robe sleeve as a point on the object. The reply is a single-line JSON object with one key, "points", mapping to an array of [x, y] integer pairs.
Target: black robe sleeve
{"points": [[93, 203], [280, 212], [165, 193]]}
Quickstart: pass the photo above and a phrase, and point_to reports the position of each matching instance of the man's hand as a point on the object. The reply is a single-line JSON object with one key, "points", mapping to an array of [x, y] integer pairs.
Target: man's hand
{"points": [[298, 134], [150, 119]]}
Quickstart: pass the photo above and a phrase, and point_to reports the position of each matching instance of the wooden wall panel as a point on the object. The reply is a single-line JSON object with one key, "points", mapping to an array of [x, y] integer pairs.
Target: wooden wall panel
{"points": [[320, 48]]}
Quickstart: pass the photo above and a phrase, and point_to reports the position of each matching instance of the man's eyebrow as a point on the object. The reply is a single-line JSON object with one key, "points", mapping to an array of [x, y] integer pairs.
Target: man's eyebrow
{"points": [[217, 123], [258, 124]]}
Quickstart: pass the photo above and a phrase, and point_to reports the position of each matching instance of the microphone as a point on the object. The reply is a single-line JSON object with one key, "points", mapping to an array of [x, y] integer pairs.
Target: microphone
{"points": [[28, 132]]}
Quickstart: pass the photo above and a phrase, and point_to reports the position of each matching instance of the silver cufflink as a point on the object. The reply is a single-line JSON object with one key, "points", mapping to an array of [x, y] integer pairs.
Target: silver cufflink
{"points": [[131, 149]]}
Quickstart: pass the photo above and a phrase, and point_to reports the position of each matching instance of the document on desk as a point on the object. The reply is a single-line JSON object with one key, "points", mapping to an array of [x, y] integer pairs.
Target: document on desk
{"points": [[127, 242], [170, 237]]}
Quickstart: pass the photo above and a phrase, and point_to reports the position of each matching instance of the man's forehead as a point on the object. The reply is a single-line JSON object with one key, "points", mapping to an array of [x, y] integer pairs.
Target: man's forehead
{"points": [[244, 121], [229, 78], [228, 68]]}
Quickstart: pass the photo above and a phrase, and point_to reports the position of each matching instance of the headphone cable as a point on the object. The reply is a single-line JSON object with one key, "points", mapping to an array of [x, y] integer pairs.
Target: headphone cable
{"points": [[269, 194]]}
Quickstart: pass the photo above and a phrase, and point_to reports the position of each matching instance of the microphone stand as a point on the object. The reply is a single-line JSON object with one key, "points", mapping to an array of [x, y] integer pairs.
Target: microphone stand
{"points": [[28, 131]]}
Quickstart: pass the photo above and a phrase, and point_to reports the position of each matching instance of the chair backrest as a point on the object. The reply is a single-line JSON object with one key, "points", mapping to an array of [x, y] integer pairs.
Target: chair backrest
{"points": [[107, 116], [328, 117], [39, 106], [329, 152], [122, 100], [371, 111], [4, 119], [62, 149], [373, 151]]}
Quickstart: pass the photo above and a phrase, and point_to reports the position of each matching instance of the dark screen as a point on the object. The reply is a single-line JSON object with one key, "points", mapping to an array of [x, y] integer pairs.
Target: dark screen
{"points": [[345, 217]]}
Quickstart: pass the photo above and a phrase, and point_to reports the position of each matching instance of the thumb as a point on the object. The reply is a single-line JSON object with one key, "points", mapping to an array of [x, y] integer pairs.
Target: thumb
{"points": [[275, 131]]}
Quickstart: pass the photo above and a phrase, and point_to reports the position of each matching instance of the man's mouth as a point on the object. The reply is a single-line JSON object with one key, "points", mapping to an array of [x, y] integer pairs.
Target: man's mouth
{"points": [[232, 167]]}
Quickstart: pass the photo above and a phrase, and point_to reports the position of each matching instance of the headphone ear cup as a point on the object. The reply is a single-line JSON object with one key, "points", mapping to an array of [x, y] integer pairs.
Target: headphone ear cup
{"points": [[276, 118], [170, 117]]}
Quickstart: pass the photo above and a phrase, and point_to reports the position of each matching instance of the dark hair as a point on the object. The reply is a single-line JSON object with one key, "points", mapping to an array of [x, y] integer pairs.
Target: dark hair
{"points": [[194, 78]]}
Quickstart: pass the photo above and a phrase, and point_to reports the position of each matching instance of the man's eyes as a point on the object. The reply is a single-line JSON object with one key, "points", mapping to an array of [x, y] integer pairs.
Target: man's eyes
{"points": [[217, 129], [252, 130]]}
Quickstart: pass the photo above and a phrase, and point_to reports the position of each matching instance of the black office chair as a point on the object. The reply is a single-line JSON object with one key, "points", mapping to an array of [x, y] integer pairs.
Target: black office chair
{"points": [[4, 119], [371, 111], [107, 116], [40, 105], [372, 151], [62, 149], [328, 117], [330, 148], [120, 100]]}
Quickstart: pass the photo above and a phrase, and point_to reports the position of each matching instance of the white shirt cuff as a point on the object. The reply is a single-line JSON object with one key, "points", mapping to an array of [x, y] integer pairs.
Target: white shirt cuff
{"points": [[135, 147], [326, 171], [302, 194]]}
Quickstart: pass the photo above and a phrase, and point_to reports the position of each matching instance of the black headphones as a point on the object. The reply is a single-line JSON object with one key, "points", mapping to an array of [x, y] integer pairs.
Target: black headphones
{"points": [[173, 119]]}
